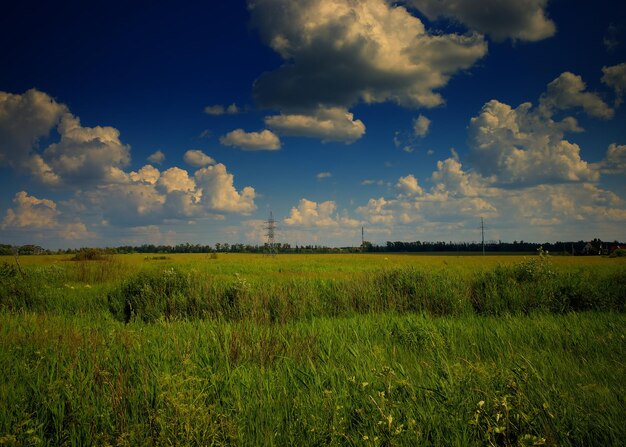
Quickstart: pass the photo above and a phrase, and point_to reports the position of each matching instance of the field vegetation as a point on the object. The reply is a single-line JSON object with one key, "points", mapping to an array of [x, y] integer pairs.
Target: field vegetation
{"points": [[241, 349]]}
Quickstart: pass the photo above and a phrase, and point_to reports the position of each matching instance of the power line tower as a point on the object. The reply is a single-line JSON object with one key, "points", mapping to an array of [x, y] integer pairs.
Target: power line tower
{"points": [[270, 226]]}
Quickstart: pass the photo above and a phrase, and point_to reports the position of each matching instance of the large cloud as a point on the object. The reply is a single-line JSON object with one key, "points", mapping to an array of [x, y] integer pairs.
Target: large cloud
{"points": [[327, 124], [452, 207], [521, 147], [340, 52], [319, 215], [526, 145], [615, 77], [219, 193], [615, 160], [86, 154], [568, 91], [501, 19], [265, 140], [31, 214], [197, 158], [24, 119]]}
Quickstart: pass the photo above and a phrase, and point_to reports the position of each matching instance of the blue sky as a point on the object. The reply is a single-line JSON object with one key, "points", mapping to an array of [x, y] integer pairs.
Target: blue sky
{"points": [[151, 124]]}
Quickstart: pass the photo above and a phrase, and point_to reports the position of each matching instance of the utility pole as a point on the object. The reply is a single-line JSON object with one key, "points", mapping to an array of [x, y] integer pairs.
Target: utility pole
{"points": [[270, 226], [482, 232], [362, 239]]}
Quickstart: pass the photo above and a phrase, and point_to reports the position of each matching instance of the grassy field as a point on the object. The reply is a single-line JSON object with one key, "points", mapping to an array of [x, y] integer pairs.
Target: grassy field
{"points": [[313, 350]]}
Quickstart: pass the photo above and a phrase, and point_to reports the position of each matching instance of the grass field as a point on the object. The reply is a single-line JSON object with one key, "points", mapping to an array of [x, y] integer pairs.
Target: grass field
{"points": [[313, 350]]}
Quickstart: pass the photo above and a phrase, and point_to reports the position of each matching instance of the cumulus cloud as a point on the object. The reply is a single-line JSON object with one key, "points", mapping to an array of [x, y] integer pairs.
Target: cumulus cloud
{"points": [[421, 125], [24, 120], [409, 186], [312, 214], [147, 174], [33, 214], [615, 77], [327, 124], [265, 140], [176, 179], [197, 158], [219, 193], [218, 109], [157, 157], [526, 146], [568, 91], [501, 20], [615, 160], [322, 175], [86, 154], [340, 52]]}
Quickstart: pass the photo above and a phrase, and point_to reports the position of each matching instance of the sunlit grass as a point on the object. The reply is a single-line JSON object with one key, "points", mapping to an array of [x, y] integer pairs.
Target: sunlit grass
{"points": [[313, 350]]}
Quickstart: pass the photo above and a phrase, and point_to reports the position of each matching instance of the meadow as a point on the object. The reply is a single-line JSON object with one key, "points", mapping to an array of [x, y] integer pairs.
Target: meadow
{"points": [[240, 349]]}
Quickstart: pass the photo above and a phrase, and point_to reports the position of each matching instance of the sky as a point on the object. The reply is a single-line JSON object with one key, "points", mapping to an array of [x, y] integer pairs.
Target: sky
{"points": [[155, 123]]}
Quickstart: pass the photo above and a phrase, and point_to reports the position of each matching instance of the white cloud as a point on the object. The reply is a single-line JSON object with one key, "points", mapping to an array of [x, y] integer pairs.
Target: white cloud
{"points": [[522, 146], [86, 154], [615, 160], [197, 158], [408, 186], [327, 124], [31, 212], [156, 157], [176, 179], [24, 120], [340, 52], [615, 77], [516, 20], [310, 214], [252, 141], [147, 174], [218, 109], [368, 182], [421, 125], [219, 193], [568, 91], [42, 217], [322, 175]]}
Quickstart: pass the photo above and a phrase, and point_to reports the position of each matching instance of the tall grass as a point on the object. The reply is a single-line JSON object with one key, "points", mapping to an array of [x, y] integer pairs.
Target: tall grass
{"points": [[317, 352], [367, 380]]}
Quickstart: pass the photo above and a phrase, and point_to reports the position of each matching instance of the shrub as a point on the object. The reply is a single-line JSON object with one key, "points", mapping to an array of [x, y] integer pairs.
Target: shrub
{"points": [[149, 296]]}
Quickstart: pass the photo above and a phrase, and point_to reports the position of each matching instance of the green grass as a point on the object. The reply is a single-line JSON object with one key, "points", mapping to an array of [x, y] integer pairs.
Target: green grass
{"points": [[313, 350]]}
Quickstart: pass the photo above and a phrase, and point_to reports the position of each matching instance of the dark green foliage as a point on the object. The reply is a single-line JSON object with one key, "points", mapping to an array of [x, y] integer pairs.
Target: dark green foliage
{"points": [[89, 254], [149, 296]]}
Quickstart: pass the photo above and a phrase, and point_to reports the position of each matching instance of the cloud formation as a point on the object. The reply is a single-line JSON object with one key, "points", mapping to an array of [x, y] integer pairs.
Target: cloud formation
{"points": [[24, 120], [33, 214], [265, 140], [615, 77], [218, 109], [501, 20], [312, 214], [526, 145], [156, 157], [421, 125], [197, 158], [341, 52], [327, 124], [568, 91]]}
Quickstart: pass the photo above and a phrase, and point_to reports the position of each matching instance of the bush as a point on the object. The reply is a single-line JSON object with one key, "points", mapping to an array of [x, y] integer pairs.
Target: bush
{"points": [[89, 254], [150, 296]]}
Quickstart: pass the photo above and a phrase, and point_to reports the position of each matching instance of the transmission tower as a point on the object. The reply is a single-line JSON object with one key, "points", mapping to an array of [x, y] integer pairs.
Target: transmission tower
{"points": [[270, 226]]}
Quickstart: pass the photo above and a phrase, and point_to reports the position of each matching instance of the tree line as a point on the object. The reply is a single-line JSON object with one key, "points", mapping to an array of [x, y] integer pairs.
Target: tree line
{"points": [[595, 246]]}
